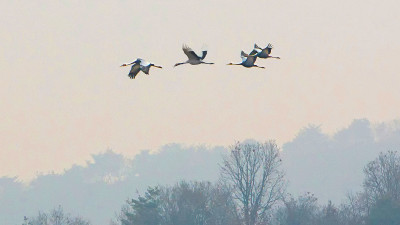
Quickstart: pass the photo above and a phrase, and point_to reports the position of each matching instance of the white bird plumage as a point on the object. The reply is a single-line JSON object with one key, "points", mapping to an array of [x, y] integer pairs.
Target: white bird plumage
{"points": [[193, 58], [139, 65]]}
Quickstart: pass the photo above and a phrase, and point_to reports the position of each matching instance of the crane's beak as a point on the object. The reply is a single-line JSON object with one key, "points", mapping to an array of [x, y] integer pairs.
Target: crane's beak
{"points": [[158, 66], [123, 65]]}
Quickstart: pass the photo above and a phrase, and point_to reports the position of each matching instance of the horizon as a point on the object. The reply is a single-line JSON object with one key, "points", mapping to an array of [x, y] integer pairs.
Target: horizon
{"points": [[390, 126]]}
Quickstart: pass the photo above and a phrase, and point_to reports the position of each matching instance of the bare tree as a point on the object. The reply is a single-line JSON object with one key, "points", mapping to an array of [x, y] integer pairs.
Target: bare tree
{"points": [[382, 177], [329, 215], [301, 211], [198, 203], [253, 171], [381, 189], [355, 210], [194, 203], [56, 217]]}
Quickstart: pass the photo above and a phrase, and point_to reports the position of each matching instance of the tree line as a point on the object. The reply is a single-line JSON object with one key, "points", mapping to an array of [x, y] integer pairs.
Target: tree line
{"points": [[252, 191]]}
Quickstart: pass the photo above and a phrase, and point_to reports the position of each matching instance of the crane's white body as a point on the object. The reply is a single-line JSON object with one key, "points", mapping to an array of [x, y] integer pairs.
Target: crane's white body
{"points": [[194, 62]]}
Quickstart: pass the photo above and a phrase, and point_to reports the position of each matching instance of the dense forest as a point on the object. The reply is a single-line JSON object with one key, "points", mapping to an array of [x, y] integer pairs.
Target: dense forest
{"points": [[252, 190]]}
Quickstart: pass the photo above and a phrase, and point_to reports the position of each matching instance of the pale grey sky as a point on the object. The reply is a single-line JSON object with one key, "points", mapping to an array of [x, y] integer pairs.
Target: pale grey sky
{"points": [[65, 97]]}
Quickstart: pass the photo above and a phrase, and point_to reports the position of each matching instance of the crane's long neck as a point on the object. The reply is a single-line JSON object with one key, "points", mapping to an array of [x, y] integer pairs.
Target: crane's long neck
{"points": [[234, 64], [181, 63], [128, 64], [206, 63], [274, 57]]}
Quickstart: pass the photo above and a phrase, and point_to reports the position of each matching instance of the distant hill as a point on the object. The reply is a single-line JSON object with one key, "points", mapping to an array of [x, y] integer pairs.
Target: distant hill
{"points": [[332, 166], [328, 166]]}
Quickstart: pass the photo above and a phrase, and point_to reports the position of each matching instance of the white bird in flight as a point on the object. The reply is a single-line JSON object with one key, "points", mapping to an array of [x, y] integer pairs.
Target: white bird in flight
{"points": [[248, 60], [139, 65], [193, 58], [263, 52]]}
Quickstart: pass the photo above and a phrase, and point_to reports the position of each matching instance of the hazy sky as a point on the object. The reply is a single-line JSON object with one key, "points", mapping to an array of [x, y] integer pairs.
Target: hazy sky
{"points": [[64, 96]]}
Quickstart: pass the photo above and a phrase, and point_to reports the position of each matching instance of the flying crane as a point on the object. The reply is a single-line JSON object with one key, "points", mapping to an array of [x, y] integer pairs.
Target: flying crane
{"points": [[193, 58], [139, 65]]}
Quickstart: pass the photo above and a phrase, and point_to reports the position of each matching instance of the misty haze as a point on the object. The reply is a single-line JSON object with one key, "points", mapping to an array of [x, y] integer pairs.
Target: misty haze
{"points": [[210, 112], [328, 166]]}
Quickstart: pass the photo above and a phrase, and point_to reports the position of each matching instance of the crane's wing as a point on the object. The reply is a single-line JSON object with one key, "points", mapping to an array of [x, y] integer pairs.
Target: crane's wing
{"points": [[145, 69], [204, 54], [248, 58], [145, 66], [257, 47], [269, 48], [243, 56], [190, 53], [255, 51], [134, 70], [251, 59]]}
